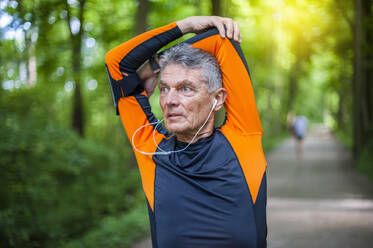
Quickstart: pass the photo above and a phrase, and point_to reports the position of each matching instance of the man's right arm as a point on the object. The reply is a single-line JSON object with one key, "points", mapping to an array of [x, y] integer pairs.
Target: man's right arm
{"points": [[130, 99]]}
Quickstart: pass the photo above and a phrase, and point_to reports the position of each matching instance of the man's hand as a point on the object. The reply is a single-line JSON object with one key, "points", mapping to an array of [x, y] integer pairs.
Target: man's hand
{"points": [[148, 78], [197, 24], [150, 84]]}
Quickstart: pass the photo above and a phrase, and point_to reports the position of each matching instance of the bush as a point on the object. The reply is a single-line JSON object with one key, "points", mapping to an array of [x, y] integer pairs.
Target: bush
{"points": [[56, 186], [113, 232]]}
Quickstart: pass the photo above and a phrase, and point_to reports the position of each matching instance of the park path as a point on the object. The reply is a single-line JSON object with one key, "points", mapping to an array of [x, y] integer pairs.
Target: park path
{"points": [[318, 200]]}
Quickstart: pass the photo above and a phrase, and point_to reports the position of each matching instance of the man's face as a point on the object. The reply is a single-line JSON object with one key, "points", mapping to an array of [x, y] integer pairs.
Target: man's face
{"points": [[184, 99]]}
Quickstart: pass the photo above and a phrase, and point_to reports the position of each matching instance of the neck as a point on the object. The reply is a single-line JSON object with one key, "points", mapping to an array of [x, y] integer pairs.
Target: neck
{"points": [[206, 131]]}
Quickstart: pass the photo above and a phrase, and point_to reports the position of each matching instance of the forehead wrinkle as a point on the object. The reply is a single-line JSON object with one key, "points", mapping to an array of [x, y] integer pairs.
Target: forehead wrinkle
{"points": [[178, 82], [182, 82], [194, 73]]}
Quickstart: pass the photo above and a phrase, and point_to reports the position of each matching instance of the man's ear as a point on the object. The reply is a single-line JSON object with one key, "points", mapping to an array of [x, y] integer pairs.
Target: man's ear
{"points": [[220, 95]]}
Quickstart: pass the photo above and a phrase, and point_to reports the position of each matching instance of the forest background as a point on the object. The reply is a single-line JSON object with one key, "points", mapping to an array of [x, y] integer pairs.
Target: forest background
{"points": [[68, 176]]}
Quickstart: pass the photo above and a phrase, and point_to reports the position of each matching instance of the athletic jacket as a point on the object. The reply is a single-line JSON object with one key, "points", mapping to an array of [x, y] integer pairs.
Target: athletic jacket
{"points": [[214, 193]]}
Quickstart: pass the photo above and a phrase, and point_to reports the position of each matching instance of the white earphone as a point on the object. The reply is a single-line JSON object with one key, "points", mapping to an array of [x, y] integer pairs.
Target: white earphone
{"points": [[215, 102]]}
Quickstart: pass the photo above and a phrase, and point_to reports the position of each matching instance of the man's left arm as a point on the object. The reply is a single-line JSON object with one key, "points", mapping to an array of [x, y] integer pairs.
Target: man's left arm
{"points": [[241, 110], [242, 128]]}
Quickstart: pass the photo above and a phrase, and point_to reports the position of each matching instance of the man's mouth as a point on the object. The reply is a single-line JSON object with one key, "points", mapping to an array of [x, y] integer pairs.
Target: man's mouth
{"points": [[174, 116]]}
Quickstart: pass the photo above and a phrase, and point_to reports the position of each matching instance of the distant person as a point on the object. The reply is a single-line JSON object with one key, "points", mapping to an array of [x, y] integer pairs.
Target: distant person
{"points": [[300, 123], [204, 186]]}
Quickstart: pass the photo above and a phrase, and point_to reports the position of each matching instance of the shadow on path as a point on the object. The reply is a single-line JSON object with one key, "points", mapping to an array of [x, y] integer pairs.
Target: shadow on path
{"points": [[318, 200]]}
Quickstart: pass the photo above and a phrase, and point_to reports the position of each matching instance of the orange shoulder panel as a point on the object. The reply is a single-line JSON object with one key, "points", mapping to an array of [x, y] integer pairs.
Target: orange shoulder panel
{"points": [[242, 113]]}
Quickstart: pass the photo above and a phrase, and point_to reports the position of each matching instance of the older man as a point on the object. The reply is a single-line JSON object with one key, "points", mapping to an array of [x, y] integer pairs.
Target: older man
{"points": [[205, 186]]}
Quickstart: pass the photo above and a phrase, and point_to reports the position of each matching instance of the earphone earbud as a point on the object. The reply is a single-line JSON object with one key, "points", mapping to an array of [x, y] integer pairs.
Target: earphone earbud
{"points": [[215, 102]]}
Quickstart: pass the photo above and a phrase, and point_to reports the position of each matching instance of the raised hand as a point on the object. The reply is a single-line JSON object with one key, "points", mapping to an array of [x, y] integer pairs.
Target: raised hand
{"points": [[226, 26]]}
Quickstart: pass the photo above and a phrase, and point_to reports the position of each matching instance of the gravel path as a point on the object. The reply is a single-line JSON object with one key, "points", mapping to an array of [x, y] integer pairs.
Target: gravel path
{"points": [[317, 200]]}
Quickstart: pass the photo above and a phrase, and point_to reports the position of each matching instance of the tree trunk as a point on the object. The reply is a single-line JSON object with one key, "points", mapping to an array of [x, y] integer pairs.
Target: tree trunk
{"points": [[78, 118], [368, 69], [358, 79], [292, 88], [141, 26], [363, 75], [216, 7], [142, 16], [76, 42], [30, 59], [29, 51]]}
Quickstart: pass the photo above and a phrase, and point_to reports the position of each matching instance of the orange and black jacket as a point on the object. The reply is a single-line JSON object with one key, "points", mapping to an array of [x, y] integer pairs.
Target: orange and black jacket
{"points": [[214, 193]]}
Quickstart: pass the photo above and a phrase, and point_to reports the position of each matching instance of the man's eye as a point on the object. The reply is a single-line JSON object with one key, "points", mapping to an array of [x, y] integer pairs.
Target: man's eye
{"points": [[163, 89], [186, 89]]}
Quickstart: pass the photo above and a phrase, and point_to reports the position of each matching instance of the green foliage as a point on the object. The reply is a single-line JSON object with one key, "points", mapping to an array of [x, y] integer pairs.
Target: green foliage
{"points": [[58, 189], [116, 231], [344, 137], [271, 140], [56, 186]]}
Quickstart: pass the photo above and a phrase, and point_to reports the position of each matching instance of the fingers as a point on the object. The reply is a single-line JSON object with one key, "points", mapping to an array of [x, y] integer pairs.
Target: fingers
{"points": [[236, 32], [228, 28], [233, 30], [220, 26]]}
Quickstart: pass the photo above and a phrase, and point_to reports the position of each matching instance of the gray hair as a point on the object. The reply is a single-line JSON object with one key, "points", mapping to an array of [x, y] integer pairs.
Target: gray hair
{"points": [[194, 58]]}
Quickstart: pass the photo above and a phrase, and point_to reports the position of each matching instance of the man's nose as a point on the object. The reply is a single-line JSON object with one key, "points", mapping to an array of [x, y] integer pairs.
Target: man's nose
{"points": [[172, 98]]}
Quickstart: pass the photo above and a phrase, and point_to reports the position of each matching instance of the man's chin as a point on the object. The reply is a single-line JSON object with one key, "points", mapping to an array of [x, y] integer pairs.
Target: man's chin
{"points": [[175, 127]]}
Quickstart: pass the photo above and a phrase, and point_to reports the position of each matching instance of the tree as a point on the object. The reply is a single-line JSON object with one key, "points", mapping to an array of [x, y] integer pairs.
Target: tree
{"points": [[363, 75], [142, 16], [216, 7], [76, 37]]}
